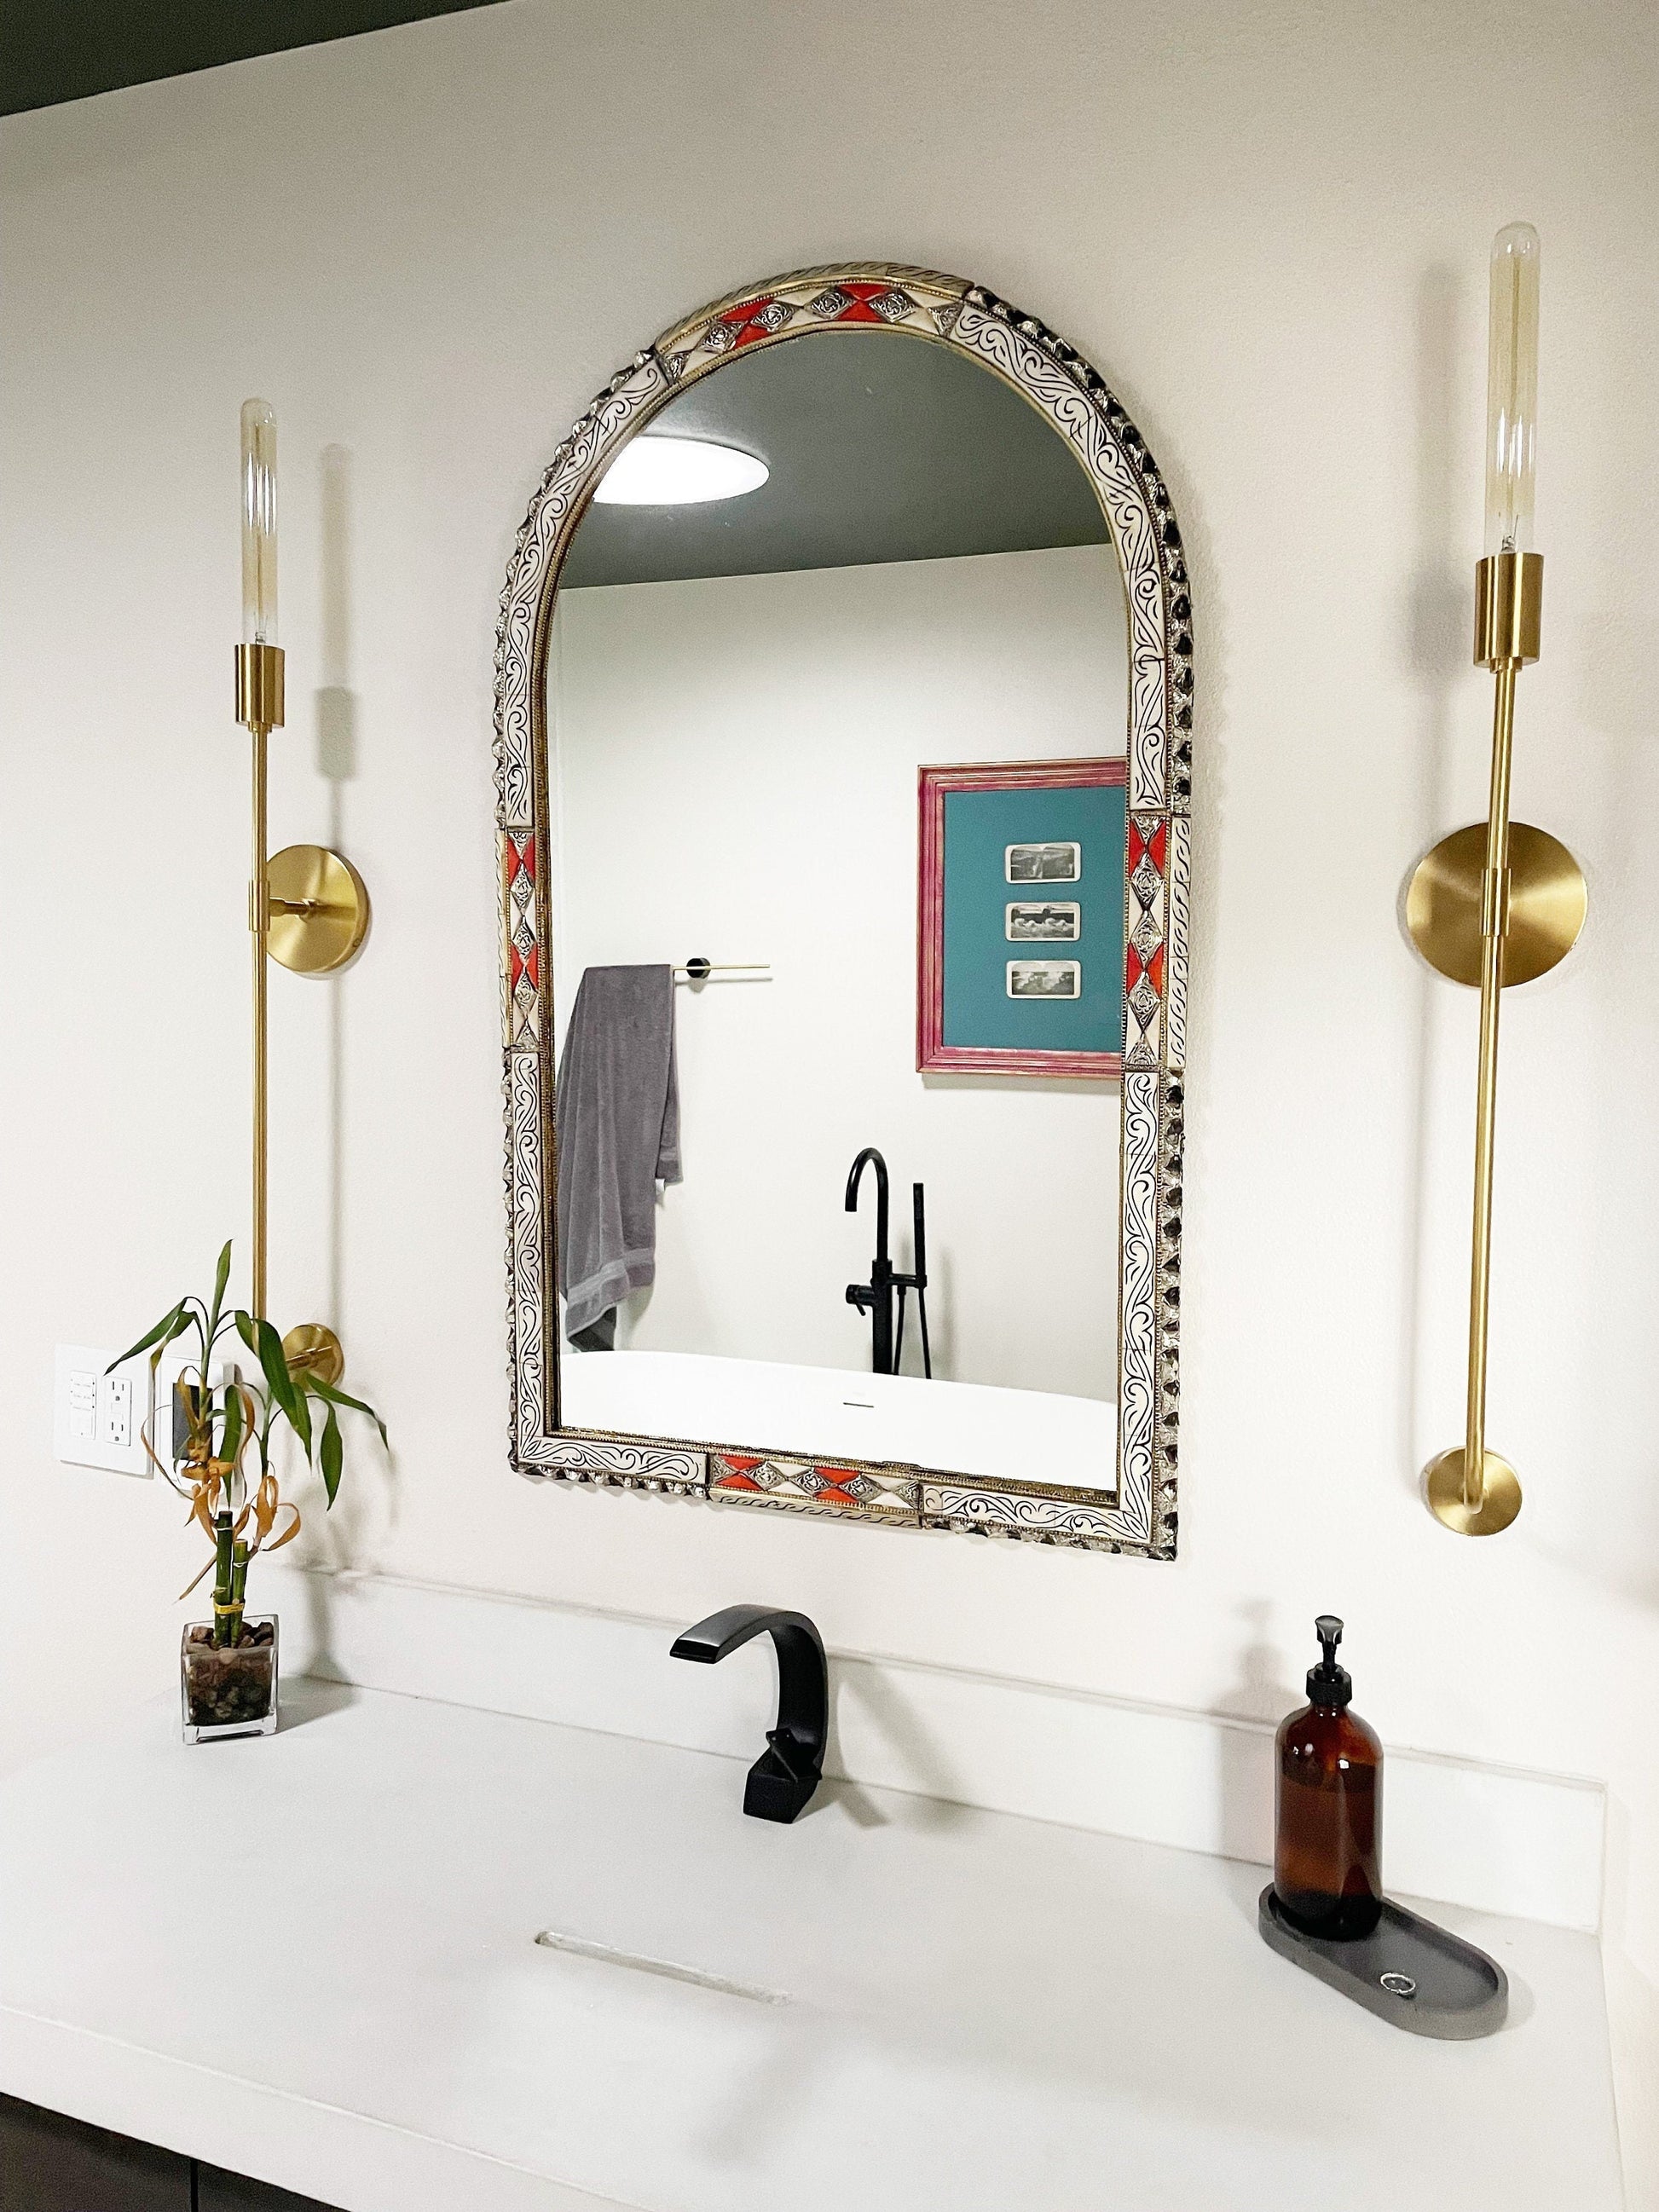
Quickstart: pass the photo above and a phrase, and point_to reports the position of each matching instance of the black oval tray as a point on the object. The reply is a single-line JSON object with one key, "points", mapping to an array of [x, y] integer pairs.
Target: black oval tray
{"points": [[1408, 1970]]}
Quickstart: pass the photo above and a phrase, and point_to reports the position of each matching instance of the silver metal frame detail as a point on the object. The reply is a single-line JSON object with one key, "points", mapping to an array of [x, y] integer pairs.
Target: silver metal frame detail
{"points": [[1139, 1515]]}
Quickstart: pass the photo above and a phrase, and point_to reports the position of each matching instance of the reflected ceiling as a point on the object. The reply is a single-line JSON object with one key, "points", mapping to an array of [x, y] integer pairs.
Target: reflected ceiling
{"points": [[881, 446]]}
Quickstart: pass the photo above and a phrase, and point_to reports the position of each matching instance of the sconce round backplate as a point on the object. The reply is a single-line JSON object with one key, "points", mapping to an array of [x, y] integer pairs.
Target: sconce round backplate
{"points": [[314, 1349], [1547, 900], [319, 910], [1500, 1494]]}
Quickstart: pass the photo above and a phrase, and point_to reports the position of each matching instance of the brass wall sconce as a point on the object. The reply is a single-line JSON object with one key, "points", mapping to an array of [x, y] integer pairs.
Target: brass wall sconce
{"points": [[1495, 903], [307, 907]]}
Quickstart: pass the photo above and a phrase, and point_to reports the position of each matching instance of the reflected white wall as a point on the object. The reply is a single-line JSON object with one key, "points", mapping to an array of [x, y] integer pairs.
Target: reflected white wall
{"points": [[736, 760]]}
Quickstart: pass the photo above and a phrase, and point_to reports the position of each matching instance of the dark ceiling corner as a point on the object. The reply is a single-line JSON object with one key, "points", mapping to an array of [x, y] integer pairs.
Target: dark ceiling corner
{"points": [[51, 51]]}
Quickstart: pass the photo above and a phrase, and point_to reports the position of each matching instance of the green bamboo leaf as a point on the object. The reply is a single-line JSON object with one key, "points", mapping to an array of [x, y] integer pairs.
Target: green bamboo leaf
{"points": [[335, 1396], [292, 1400], [221, 1278], [170, 1325], [274, 1360], [332, 1455], [245, 1330], [233, 1435], [185, 1322]]}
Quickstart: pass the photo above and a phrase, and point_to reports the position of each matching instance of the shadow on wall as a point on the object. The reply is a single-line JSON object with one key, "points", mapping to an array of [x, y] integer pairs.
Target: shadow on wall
{"points": [[338, 747], [1438, 611], [922, 1761], [901, 1729], [1613, 742], [336, 763], [1265, 1691]]}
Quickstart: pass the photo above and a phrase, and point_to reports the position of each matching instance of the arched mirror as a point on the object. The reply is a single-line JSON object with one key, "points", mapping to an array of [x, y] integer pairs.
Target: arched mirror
{"points": [[843, 713]]}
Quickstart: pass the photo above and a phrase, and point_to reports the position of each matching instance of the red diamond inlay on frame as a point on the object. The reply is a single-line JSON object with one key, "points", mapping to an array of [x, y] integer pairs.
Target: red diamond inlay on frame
{"points": [[750, 321], [1153, 848], [1134, 968], [746, 320]]}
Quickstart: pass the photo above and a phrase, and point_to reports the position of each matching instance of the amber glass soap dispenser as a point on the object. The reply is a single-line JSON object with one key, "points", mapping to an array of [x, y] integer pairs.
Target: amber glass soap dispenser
{"points": [[1327, 1873]]}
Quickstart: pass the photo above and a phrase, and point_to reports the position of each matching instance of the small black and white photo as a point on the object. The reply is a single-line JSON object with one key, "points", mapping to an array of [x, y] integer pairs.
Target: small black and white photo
{"points": [[1045, 979], [1050, 921], [1043, 863]]}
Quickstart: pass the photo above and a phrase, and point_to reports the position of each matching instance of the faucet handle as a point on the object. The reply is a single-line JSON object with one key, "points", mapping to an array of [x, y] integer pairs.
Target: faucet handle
{"points": [[795, 1754], [861, 1296]]}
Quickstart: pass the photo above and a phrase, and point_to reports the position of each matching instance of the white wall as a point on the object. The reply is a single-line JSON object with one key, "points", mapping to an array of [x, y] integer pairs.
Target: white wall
{"points": [[1268, 221], [746, 747]]}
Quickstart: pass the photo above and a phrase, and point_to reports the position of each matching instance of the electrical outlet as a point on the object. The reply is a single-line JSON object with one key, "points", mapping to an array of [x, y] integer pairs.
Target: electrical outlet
{"points": [[97, 1418], [115, 1411]]}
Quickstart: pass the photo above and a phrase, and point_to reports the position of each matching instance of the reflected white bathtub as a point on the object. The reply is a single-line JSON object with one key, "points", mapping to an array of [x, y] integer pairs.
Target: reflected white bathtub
{"points": [[960, 1428]]}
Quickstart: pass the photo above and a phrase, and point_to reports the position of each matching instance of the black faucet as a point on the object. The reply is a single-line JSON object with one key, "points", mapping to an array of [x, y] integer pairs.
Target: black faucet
{"points": [[782, 1779], [876, 1297]]}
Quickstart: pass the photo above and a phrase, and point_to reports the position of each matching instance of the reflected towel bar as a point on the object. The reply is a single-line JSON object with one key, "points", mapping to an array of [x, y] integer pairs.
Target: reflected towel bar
{"points": [[698, 970]]}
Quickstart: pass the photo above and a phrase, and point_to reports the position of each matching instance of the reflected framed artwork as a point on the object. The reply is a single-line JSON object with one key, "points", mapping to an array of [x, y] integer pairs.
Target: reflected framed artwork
{"points": [[992, 999]]}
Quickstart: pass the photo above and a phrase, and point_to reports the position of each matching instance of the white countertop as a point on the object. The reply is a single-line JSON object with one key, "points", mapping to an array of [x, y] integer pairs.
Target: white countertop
{"points": [[311, 1958]]}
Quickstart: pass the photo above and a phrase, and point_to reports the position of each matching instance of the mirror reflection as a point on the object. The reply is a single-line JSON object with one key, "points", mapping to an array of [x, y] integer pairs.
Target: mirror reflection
{"points": [[836, 694]]}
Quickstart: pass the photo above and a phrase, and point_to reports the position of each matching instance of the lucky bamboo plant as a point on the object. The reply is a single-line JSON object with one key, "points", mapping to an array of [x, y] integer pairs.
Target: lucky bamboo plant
{"points": [[242, 1512]]}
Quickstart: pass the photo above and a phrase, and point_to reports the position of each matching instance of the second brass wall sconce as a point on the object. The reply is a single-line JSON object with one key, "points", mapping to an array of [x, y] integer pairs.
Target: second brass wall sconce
{"points": [[307, 907], [1496, 903]]}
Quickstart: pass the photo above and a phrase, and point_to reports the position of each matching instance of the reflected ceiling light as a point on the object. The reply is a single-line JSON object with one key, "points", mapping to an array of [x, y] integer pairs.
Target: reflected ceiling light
{"points": [[678, 472]]}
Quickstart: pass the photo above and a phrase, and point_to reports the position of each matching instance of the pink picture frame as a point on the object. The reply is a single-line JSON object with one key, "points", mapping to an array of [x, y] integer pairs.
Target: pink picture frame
{"points": [[933, 785]]}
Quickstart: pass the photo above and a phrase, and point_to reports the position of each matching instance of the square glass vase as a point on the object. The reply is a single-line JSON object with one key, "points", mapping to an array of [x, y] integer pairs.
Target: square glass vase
{"points": [[228, 1689]]}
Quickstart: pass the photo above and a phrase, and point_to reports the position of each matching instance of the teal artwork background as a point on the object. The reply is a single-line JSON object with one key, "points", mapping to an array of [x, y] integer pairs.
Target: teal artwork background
{"points": [[978, 826]]}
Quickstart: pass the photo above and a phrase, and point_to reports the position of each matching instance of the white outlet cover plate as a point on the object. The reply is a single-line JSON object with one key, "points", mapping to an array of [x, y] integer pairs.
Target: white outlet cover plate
{"points": [[91, 1414]]}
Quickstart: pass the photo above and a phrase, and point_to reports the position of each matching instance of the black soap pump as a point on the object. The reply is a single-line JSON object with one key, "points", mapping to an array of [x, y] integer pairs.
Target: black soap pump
{"points": [[1328, 1807]]}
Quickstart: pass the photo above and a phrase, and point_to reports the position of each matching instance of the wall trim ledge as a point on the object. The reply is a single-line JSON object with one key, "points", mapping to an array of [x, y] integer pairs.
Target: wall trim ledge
{"points": [[1457, 1830]]}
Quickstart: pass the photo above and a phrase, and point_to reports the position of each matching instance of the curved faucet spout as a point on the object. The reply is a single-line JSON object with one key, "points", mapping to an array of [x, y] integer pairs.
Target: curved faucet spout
{"points": [[784, 1776], [865, 1158]]}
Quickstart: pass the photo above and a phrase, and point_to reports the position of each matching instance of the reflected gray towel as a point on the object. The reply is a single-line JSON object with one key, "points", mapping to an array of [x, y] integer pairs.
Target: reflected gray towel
{"points": [[617, 1126]]}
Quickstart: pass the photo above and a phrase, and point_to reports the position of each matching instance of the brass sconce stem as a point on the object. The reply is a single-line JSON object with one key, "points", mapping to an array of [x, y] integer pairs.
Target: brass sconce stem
{"points": [[259, 708], [1494, 886], [319, 930], [259, 919], [1494, 934]]}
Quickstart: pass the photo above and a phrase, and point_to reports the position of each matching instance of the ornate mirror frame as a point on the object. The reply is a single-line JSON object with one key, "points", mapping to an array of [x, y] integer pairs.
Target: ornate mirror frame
{"points": [[1139, 1515]]}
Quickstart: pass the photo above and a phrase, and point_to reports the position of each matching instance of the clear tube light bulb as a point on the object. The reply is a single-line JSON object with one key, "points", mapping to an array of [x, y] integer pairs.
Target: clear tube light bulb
{"points": [[259, 523], [1512, 388]]}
